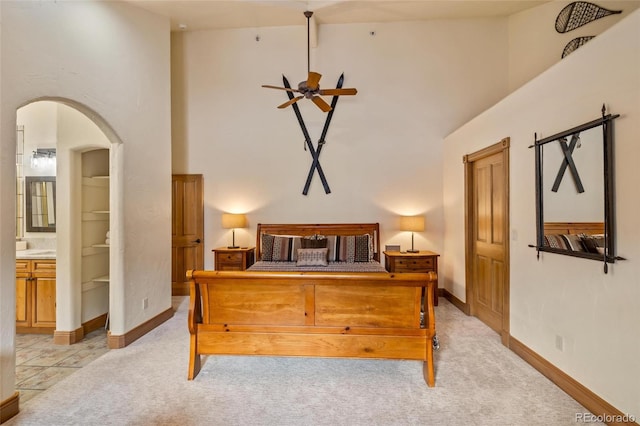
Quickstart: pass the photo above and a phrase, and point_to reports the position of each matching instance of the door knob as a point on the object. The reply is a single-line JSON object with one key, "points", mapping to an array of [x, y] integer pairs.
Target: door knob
{"points": [[196, 241]]}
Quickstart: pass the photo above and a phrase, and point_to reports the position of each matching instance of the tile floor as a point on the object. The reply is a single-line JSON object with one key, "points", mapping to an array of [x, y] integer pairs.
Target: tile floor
{"points": [[40, 363]]}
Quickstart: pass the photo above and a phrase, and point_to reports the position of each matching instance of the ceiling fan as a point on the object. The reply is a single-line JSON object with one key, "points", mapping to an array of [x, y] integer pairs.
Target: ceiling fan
{"points": [[310, 88]]}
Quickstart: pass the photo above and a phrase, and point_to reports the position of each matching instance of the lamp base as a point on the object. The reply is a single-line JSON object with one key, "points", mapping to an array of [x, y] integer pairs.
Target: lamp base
{"points": [[413, 251], [233, 247]]}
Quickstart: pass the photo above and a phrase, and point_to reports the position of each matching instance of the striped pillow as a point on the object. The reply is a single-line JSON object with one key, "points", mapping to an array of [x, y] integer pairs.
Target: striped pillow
{"points": [[278, 248], [350, 248], [568, 242], [592, 243]]}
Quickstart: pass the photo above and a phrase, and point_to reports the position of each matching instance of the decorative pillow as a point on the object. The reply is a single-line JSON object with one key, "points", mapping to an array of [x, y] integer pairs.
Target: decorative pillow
{"points": [[590, 243], [279, 248], [350, 248], [314, 241], [555, 241], [312, 257], [570, 242], [267, 247], [574, 242], [599, 240]]}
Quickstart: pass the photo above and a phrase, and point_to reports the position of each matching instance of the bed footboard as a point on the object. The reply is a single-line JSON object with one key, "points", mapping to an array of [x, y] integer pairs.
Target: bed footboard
{"points": [[308, 314]]}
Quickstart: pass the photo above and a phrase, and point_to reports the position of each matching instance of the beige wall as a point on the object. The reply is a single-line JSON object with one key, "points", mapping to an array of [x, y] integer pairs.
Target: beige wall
{"points": [[111, 61], [595, 314], [535, 45], [416, 82]]}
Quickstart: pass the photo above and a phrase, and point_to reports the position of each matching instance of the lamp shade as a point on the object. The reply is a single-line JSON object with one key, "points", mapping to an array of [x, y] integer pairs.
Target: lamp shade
{"points": [[231, 221], [412, 223]]}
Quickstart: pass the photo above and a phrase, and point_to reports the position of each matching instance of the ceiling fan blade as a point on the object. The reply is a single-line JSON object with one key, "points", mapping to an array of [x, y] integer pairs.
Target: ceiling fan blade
{"points": [[290, 102], [345, 91], [313, 79], [280, 88], [321, 104]]}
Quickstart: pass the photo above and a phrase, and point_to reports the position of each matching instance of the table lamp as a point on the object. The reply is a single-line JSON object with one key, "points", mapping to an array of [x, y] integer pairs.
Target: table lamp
{"points": [[233, 221], [412, 224]]}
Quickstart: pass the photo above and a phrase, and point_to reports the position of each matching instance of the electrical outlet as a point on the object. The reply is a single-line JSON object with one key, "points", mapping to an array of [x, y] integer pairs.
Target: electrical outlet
{"points": [[559, 343], [145, 303]]}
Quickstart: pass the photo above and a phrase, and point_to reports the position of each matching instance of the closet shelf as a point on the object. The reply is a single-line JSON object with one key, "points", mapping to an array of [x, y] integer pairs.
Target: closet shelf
{"points": [[103, 279], [100, 245], [99, 215], [96, 181], [94, 251]]}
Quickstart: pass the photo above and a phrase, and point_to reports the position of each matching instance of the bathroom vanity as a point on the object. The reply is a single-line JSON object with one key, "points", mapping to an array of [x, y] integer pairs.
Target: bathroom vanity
{"points": [[36, 291]]}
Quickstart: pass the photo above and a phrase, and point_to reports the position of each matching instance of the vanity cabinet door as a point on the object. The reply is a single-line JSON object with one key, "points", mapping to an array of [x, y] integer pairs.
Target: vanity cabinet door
{"points": [[35, 295], [43, 288], [23, 294], [23, 307], [44, 302]]}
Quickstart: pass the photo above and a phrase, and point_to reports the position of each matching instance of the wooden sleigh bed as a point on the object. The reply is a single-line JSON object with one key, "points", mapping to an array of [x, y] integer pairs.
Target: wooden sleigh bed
{"points": [[305, 313]]}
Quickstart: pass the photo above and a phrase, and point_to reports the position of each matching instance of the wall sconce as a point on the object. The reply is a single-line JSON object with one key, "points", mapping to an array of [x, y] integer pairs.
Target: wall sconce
{"points": [[43, 157], [233, 221], [413, 224]]}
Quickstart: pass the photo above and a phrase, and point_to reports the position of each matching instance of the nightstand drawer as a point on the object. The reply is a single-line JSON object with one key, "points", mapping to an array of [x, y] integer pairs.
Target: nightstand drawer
{"points": [[239, 259], [225, 258], [411, 265]]}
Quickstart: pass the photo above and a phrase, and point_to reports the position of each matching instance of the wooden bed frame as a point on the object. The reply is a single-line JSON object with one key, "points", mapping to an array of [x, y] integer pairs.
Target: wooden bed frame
{"points": [[590, 228], [320, 229], [312, 314]]}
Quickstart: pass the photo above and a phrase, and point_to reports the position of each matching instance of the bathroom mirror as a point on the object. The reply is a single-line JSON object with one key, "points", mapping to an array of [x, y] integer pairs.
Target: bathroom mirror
{"points": [[40, 198], [575, 191]]}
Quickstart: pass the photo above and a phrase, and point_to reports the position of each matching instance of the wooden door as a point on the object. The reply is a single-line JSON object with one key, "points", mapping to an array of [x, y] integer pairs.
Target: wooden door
{"points": [[187, 230], [488, 236]]}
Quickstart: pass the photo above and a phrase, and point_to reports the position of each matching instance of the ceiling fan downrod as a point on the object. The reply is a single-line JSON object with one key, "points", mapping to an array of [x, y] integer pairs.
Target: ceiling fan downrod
{"points": [[308, 14], [310, 88]]}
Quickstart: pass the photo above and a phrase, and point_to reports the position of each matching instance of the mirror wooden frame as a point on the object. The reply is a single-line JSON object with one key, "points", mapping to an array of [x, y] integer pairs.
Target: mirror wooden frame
{"points": [[609, 255], [28, 203]]}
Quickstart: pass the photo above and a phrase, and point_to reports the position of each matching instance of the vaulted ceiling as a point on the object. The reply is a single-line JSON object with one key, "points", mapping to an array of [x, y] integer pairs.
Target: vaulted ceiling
{"points": [[193, 15]]}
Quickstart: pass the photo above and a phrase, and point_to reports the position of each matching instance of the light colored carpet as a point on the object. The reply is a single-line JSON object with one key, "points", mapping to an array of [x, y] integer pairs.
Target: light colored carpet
{"points": [[478, 382]]}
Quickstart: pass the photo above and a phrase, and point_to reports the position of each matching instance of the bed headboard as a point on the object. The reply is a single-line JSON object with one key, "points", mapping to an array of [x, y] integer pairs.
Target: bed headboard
{"points": [[589, 228], [320, 229]]}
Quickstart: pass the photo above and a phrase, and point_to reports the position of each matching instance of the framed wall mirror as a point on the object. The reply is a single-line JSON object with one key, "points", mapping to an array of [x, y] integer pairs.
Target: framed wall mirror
{"points": [[575, 206], [40, 200]]}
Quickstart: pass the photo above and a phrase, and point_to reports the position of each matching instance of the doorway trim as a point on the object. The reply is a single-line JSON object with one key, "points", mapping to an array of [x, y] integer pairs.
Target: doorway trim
{"points": [[501, 147], [69, 321]]}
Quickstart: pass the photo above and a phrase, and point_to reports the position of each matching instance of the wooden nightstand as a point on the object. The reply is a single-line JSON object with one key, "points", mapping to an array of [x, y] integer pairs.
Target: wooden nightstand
{"points": [[239, 259], [423, 261]]}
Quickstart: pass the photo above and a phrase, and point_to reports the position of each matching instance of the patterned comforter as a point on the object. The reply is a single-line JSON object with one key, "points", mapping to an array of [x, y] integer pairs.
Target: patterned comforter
{"points": [[266, 266]]}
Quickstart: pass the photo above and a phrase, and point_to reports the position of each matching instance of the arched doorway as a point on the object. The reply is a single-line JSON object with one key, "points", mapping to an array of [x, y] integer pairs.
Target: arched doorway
{"points": [[87, 269]]}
